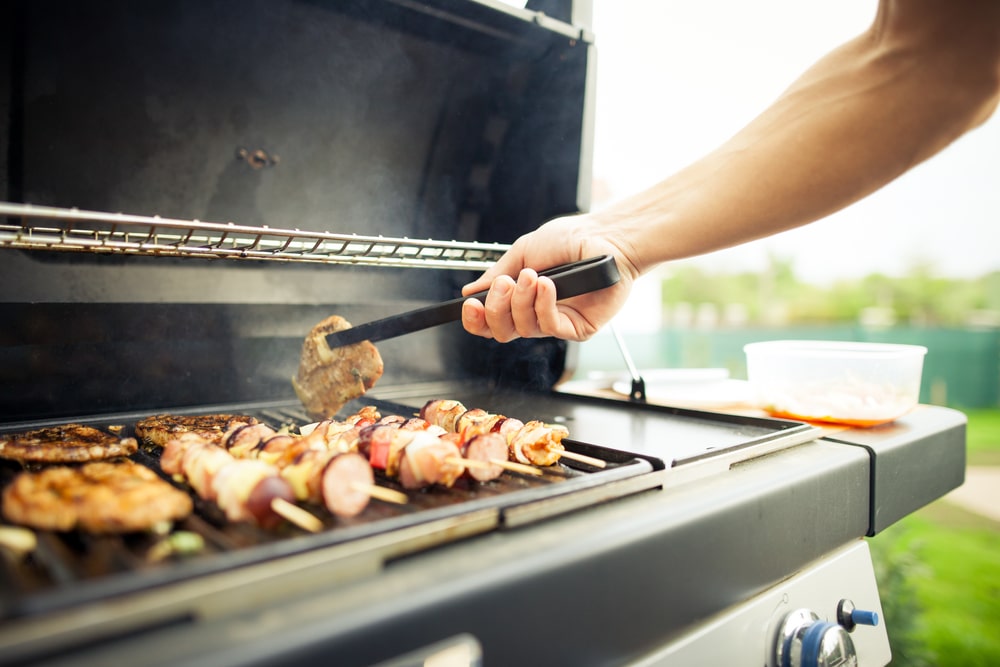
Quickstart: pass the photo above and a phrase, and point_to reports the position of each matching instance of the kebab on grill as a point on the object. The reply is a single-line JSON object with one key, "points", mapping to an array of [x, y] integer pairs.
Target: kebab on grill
{"points": [[246, 490], [282, 448], [342, 480], [420, 453], [321, 467], [414, 455], [417, 462], [533, 442], [319, 463], [407, 449]]}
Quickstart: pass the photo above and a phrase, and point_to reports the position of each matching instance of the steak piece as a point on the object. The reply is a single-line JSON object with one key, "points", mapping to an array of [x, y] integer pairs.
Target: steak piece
{"points": [[161, 429], [99, 497], [328, 378], [68, 443]]}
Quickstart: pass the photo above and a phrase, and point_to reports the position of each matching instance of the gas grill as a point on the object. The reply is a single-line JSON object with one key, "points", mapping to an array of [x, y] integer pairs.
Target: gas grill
{"points": [[190, 187]]}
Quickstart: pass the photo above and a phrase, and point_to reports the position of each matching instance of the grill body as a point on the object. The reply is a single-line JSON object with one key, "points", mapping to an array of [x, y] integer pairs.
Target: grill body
{"points": [[372, 157]]}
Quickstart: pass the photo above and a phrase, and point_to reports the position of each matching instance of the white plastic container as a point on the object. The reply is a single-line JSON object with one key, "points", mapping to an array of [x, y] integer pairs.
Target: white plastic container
{"points": [[860, 384]]}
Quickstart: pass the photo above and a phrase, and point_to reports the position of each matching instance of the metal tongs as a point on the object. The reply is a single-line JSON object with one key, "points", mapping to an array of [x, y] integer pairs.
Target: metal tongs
{"points": [[574, 279]]}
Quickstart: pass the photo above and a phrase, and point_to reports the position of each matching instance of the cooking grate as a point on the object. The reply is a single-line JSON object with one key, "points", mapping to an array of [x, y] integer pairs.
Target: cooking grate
{"points": [[73, 567], [73, 230]]}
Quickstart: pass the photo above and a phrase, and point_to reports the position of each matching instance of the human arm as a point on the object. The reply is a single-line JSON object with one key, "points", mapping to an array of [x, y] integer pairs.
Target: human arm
{"points": [[923, 74]]}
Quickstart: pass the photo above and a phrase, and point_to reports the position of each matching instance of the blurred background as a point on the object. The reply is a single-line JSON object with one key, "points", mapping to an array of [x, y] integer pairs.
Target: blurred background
{"points": [[917, 262], [675, 79]]}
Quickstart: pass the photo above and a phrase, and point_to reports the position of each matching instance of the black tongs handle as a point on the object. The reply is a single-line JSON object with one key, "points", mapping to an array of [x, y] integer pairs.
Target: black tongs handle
{"points": [[574, 279]]}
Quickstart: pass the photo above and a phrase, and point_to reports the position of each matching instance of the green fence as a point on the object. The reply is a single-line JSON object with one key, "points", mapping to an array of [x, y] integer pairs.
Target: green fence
{"points": [[962, 368]]}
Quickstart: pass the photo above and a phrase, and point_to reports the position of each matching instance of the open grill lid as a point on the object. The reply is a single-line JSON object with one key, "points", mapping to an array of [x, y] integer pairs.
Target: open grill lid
{"points": [[316, 133]]}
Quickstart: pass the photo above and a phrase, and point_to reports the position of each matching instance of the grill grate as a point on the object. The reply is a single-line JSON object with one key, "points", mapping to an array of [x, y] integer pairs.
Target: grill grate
{"points": [[73, 230], [70, 568]]}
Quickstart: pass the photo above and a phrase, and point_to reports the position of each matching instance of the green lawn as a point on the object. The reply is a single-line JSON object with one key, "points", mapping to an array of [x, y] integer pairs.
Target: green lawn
{"points": [[939, 574], [984, 437]]}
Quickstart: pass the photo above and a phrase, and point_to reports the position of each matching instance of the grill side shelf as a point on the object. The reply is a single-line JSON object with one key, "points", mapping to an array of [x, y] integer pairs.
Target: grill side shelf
{"points": [[46, 228]]}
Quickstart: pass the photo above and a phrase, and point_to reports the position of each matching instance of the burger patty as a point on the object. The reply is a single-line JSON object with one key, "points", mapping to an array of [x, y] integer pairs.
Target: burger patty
{"points": [[69, 443], [99, 497], [161, 429], [328, 378]]}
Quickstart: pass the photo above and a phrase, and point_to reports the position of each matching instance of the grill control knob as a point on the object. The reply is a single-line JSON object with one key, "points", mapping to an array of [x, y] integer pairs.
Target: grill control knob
{"points": [[806, 641], [851, 617]]}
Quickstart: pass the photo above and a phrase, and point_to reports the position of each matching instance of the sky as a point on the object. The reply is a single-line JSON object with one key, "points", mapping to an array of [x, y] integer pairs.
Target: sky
{"points": [[675, 79]]}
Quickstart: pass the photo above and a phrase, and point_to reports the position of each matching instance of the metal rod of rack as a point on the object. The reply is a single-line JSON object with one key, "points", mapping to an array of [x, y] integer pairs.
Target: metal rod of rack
{"points": [[75, 230]]}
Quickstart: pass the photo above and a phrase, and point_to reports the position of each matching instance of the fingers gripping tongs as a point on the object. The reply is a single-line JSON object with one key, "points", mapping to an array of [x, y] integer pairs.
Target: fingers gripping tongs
{"points": [[574, 279]]}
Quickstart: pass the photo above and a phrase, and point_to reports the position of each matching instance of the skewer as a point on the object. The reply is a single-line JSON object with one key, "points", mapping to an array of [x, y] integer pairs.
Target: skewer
{"points": [[517, 467], [469, 463], [453, 421], [583, 458], [508, 465], [381, 493], [296, 515]]}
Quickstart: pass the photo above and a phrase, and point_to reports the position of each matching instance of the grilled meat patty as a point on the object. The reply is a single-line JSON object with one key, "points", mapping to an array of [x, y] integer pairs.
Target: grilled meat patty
{"points": [[69, 443], [160, 429], [328, 378], [99, 497]]}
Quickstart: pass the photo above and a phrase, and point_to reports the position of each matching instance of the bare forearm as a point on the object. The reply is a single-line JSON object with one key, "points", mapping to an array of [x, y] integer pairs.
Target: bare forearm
{"points": [[925, 73], [859, 118]]}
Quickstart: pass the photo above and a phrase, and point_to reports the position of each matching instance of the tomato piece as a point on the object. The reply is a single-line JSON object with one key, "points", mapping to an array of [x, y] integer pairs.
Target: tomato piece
{"points": [[378, 453]]}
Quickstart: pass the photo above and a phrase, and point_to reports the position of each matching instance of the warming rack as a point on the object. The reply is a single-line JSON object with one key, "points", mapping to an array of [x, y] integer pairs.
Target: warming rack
{"points": [[75, 230]]}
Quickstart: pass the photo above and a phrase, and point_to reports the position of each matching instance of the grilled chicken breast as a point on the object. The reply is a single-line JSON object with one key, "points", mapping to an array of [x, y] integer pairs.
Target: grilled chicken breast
{"points": [[99, 497]]}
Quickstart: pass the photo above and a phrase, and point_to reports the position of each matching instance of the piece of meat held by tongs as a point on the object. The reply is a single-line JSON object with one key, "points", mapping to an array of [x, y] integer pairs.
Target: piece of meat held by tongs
{"points": [[340, 362], [330, 377]]}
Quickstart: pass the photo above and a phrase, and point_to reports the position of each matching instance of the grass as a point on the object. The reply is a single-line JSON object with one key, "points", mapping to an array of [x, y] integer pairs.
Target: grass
{"points": [[938, 574], [983, 437]]}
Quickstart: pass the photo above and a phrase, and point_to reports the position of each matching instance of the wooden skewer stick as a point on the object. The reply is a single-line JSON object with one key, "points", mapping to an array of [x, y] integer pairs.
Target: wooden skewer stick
{"points": [[307, 429], [469, 463], [381, 493], [517, 467], [508, 465], [296, 515], [583, 458]]}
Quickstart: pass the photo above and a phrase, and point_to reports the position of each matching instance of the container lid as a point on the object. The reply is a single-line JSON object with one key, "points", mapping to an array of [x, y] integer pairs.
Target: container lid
{"points": [[833, 348]]}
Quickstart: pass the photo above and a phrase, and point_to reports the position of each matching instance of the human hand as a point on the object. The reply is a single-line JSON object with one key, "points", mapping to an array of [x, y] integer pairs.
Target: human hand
{"points": [[522, 304]]}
